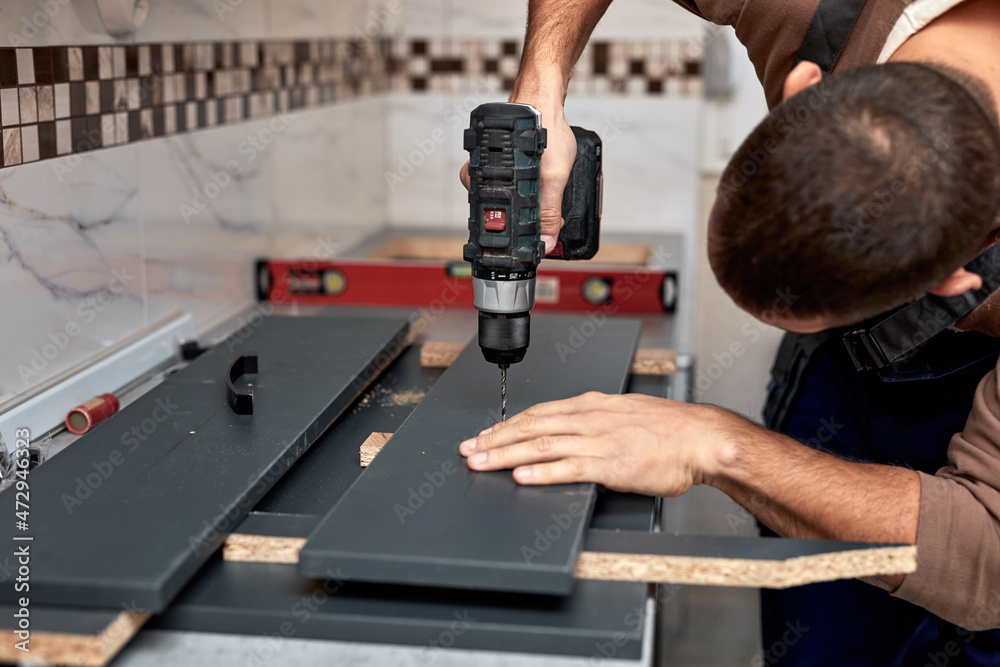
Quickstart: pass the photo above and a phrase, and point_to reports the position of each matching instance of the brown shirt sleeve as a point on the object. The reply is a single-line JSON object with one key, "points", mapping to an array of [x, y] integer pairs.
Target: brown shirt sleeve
{"points": [[958, 533]]}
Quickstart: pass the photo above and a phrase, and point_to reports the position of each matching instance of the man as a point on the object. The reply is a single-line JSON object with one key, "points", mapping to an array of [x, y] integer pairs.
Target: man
{"points": [[860, 192]]}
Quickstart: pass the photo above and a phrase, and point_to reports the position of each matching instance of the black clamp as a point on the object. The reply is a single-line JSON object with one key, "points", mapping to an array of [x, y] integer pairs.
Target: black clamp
{"points": [[241, 400]]}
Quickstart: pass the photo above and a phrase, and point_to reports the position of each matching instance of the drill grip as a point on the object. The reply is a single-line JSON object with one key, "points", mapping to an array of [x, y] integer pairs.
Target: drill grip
{"points": [[582, 201]]}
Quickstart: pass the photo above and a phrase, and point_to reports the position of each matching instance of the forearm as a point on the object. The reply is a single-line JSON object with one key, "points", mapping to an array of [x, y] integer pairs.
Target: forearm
{"points": [[557, 32], [800, 492]]}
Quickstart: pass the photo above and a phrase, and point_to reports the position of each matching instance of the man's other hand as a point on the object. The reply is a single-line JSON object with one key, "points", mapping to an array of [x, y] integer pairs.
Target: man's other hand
{"points": [[631, 443]]}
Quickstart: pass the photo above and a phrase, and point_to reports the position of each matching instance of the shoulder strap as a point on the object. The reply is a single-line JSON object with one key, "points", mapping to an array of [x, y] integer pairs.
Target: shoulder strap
{"points": [[828, 31], [912, 325]]}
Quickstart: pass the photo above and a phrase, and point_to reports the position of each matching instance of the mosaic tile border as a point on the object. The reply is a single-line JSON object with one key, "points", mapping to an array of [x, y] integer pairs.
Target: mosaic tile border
{"points": [[59, 100]]}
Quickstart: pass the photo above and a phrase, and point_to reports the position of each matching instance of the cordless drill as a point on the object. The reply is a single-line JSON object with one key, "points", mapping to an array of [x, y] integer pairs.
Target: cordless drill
{"points": [[505, 144]]}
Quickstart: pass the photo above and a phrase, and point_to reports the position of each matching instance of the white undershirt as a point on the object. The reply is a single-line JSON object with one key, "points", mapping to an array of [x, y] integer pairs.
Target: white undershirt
{"points": [[914, 18]]}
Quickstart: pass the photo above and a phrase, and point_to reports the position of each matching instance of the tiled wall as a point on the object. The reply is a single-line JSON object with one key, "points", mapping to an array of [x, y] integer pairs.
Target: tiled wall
{"points": [[72, 99], [60, 100], [115, 211]]}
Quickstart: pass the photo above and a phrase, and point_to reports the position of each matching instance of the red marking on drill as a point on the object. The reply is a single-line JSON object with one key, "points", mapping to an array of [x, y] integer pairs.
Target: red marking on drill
{"points": [[495, 220]]}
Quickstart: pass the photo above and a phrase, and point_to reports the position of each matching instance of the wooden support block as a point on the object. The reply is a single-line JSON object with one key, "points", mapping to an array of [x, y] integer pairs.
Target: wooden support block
{"points": [[448, 248], [440, 354], [654, 361], [70, 648], [647, 360], [262, 549], [372, 446]]}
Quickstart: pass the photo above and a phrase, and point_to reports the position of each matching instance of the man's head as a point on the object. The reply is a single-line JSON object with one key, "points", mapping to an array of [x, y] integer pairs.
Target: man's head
{"points": [[864, 191]]}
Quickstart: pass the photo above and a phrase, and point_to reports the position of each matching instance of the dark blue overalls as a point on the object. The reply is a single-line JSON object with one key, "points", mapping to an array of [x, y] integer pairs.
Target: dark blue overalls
{"points": [[904, 415]]}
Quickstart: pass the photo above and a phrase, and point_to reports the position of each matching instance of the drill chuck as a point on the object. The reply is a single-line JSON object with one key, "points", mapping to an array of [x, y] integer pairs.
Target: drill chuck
{"points": [[504, 337]]}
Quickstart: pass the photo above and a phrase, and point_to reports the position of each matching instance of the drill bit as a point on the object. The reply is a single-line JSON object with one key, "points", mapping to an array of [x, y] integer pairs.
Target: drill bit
{"points": [[503, 392]]}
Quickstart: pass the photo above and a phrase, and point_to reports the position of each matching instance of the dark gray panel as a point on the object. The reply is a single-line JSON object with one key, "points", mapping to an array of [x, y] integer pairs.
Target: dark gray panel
{"points": [[270, 524], [705, 546], [322, 475], [318, 480], [419, 516], [252, 598], [64, 620], [128, 513]]}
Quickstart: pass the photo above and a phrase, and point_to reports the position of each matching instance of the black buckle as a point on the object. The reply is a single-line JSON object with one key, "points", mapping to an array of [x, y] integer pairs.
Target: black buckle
{"points": [[865, 351]]}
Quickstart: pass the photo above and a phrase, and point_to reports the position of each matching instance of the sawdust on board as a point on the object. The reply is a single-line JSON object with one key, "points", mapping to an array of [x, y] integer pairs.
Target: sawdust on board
{"points": [[384, 398]]}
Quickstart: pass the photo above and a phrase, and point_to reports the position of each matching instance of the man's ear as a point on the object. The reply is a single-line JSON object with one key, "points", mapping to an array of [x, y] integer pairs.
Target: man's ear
{"points": [[801, 77], [959, 282]]}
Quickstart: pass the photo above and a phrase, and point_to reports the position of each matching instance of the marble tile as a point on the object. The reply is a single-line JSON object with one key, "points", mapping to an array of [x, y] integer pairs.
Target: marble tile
{"points": [[291, 19], [638, 19], [649, 19], [31, 23], [651, 158], [10, 108], [12, 146], [25, 66], [328, 167], [497, 18], [29, 104], [69, 263], [385, 18], [417, 143], [74, 58], [191, 20], [92, 91], [105, 62], [425, 18], [64, 137], [62, 100], [46, 104], [206, 215], [29, 143]]}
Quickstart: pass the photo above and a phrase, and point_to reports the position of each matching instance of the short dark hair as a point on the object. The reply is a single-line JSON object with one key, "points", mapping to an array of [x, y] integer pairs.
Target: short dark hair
{"points": [[858, 194]]}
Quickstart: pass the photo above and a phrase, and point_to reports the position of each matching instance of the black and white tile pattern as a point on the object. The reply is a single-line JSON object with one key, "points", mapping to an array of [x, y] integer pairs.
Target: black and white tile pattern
{"points": [[71, 99]]}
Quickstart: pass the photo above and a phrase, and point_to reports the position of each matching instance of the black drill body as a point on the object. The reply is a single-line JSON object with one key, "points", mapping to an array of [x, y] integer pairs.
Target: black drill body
{"points": [[505, 143]]}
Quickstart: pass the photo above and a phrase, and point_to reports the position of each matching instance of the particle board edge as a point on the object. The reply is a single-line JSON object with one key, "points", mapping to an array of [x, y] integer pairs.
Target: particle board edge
{"points": [[647, 360], [72, 650]]}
